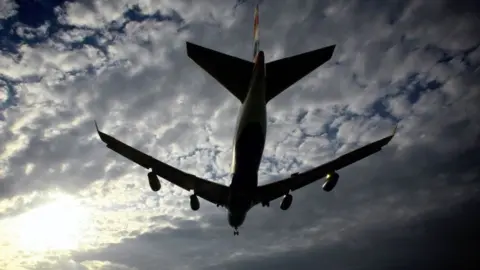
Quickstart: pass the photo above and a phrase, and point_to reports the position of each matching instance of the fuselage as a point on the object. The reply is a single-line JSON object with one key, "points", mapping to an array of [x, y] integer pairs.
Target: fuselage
{"points": [[248, 146]]}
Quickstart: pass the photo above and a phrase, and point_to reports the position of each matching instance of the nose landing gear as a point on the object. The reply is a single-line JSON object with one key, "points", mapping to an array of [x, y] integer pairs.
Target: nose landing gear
{"points": [[235, 232]]}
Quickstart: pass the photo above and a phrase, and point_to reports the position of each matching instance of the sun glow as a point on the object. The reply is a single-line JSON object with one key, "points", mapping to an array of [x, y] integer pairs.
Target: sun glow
{"points": [[57, 225]]}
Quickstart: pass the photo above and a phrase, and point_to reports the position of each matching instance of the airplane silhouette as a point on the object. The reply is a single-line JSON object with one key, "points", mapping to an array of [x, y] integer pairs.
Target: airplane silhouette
{"points": [[254, 84]]}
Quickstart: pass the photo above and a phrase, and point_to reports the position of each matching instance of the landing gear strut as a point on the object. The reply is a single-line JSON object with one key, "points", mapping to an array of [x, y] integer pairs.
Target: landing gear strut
{"points": [[235, 232]]}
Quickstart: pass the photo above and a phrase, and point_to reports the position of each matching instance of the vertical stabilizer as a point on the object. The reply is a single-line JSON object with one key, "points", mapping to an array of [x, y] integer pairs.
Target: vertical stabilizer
{"points": [[256, 41]]}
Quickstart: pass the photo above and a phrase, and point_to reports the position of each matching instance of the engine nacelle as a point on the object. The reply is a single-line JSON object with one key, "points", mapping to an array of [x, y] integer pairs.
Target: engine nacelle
{"points": [[154, 182], [330, 181], [286, 202], [194, 203]]}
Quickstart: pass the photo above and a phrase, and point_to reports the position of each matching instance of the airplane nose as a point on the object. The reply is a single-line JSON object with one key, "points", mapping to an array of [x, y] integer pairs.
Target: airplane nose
{"points": [[235, 220]]}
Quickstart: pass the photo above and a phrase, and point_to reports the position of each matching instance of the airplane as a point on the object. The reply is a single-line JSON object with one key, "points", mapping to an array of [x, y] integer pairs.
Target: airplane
{"points": [[254, 84]]}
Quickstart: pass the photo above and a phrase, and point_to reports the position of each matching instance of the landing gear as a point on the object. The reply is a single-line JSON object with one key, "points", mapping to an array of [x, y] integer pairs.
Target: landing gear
{"points": [[235, 232]]}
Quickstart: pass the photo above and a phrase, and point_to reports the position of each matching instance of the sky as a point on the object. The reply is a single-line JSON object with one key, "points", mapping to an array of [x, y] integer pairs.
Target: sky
{"points": [[68, 202]]}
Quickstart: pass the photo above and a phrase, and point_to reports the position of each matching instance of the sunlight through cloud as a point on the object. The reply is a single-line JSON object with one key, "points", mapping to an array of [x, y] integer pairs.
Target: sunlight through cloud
{"points": [[57, 225]]}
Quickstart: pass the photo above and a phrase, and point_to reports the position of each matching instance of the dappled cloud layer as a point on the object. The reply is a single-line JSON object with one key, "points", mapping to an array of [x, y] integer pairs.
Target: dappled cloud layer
{"points": [[68, 202]]}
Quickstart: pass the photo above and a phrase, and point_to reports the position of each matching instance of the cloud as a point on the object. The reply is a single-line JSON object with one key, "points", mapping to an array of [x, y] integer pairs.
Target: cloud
{"points": [[411, 63], [426, 244], [8, 9]]}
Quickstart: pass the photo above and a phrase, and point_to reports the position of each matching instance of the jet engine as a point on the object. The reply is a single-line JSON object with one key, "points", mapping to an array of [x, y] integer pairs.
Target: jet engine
{"points": [[286, 202], [194, 203], [153, 181], [330, 181]]}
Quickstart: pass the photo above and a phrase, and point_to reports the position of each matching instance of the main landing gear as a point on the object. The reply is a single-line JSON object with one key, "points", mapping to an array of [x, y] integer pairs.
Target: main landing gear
{"points": [[235, 232]]}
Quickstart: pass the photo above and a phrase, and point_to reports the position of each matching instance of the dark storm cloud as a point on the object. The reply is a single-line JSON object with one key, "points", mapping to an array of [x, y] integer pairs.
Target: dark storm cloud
{"points": [[446, 239]]}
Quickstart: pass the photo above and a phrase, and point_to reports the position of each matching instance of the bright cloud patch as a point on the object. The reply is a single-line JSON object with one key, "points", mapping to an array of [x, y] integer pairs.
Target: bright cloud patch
{"points": [[8, 9], [3, 94]]}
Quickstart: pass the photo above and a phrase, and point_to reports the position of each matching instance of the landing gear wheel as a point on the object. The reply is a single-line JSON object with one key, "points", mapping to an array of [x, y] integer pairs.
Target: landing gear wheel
{"points": [[235, 232]]}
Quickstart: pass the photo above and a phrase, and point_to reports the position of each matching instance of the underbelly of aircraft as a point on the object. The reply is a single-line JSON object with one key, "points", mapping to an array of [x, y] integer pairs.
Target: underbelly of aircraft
{"points": [[249, 149]]}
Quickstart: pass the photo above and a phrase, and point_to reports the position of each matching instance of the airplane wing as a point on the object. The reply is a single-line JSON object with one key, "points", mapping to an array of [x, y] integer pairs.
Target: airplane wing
{"points": [[272, 191], [210, 191]]}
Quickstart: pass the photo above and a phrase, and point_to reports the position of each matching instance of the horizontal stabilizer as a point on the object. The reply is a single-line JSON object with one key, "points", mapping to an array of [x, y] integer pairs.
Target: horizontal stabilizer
{"points": [[232, 72], [282, 73]]}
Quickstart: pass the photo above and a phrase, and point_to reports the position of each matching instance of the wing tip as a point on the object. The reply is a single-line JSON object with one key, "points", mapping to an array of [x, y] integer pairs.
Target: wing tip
{"points": [[395, 130], [189, 48], [100, 134], [330, 49], [389, 138], [327, 52]]}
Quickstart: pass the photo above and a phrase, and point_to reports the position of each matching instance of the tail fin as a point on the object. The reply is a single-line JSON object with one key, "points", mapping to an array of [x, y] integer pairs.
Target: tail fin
{"points": [[230, 71], [284, 72], [256, 41], [235, 73]]}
